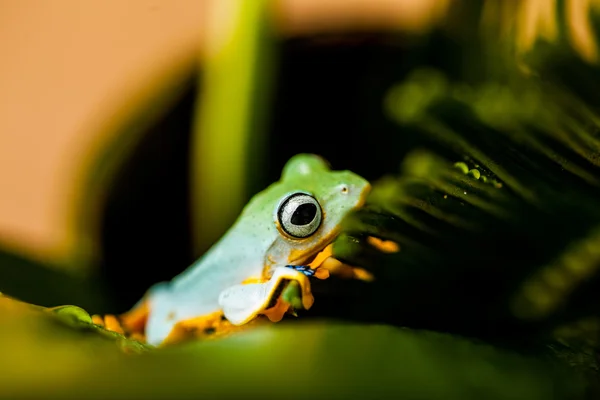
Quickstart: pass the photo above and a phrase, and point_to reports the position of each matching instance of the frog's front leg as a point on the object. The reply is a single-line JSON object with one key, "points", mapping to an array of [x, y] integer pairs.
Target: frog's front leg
{"points": [[242, 303]]}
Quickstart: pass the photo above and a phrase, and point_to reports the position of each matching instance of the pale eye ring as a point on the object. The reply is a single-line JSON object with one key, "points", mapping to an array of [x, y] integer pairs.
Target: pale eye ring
{"points": [[300, 215]]}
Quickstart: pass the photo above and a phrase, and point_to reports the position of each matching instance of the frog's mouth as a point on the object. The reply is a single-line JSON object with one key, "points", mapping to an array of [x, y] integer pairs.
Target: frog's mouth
{"points": [[310, 259], [316, 257]]}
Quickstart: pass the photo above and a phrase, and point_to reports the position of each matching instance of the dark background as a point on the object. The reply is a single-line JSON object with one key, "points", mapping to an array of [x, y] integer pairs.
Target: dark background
{"points": [[328, 99]]}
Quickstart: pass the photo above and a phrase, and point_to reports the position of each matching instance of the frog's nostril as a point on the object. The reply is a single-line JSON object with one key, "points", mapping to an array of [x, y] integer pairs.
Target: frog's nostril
{"points": [[344, 189]]}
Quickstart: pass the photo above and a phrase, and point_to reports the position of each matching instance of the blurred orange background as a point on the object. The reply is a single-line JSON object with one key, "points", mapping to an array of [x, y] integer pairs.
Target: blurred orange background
{"points": [[70, 68], [67, 68]]}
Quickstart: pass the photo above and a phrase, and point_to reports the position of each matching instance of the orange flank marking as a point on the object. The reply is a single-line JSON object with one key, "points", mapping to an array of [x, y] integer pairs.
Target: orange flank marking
{"points": [[190, 328], [385, 246], [206, 327], [252, 280]]}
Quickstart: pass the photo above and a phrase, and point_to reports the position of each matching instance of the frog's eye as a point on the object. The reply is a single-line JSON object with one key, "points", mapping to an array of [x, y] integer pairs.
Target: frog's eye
{"points": [[300, 215]]}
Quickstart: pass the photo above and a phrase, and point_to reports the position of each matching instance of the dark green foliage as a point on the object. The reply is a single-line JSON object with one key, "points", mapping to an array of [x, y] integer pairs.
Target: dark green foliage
{"points": [[41, 284], [500, 235]]}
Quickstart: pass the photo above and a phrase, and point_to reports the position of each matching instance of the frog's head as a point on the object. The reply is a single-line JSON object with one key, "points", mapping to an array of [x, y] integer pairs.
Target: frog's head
{"points": [[311, 202]]}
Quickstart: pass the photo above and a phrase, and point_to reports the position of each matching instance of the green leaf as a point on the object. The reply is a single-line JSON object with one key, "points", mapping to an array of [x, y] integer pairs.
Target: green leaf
{"points": [[291, 360]]}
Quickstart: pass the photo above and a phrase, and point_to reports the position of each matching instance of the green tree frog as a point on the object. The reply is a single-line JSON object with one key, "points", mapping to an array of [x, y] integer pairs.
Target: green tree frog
{"points": [[278, 233]]}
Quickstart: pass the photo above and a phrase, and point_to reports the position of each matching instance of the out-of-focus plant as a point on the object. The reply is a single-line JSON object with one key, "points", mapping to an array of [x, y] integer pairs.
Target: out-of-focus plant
{"points": [[228, 146], [50, 359], [499, 231]]}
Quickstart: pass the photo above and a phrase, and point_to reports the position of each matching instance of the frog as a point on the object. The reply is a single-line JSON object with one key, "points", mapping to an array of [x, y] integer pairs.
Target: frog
{"points": [[247, 272]]}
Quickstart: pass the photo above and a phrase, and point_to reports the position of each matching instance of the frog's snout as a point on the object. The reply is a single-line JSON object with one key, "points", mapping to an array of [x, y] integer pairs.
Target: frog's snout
{"points": [[366, 189], [364, 193], [357, 191]]}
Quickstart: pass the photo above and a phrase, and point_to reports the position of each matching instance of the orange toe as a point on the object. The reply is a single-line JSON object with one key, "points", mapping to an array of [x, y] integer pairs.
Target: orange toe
{"points": [[321, 273], [276, 313], [138, 336], [98, 320], [111, 323], [385, 246]]}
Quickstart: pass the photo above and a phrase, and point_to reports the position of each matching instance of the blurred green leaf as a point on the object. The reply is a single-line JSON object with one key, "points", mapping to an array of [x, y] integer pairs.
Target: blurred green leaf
{"points": [[228, 143], [46, 359]]}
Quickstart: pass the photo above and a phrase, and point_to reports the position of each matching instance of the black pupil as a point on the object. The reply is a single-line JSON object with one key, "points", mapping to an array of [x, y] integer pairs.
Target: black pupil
{"points": [[304, 214]]}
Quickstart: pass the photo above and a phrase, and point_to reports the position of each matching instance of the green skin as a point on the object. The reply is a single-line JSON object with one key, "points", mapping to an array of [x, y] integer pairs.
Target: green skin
{"points": [[257, 246]]}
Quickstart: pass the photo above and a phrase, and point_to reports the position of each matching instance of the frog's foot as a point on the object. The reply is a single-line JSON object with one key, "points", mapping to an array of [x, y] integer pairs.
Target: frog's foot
{"points": [[109, 322], [342, 270], [242, 303], [289, 301], [325, 263], [385, 246], [134, 320], [130, 324]]}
